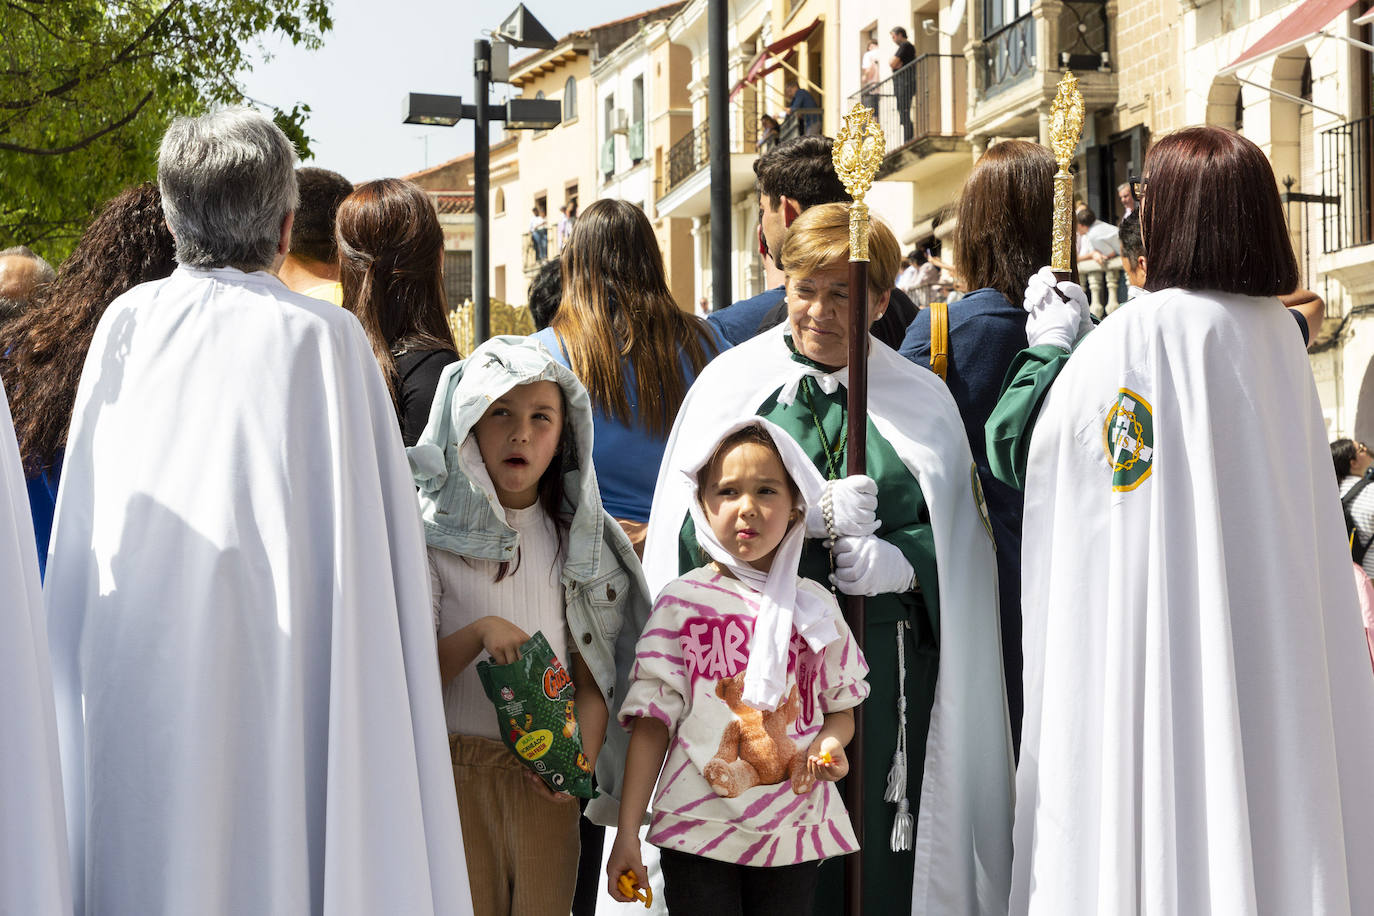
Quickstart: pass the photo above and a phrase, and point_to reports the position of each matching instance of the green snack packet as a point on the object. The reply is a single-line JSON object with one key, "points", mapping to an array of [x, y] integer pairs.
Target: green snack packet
{"points": [[535, 714]]}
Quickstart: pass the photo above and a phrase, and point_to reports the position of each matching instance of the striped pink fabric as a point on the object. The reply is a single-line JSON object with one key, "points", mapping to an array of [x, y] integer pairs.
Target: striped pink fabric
{"points": [[734, 785]]}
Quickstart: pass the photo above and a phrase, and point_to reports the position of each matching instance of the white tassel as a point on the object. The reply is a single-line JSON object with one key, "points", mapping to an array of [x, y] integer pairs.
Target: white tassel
{"points": [[896, 779], [901, 828]]}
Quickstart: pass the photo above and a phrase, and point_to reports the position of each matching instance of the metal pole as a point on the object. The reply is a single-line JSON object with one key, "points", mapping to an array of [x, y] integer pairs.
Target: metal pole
{"points": [[481, 182], [718, 123]]}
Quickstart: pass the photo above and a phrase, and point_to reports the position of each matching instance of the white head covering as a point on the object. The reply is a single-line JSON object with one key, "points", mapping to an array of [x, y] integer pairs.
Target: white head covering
{"points": [[782, 607]]}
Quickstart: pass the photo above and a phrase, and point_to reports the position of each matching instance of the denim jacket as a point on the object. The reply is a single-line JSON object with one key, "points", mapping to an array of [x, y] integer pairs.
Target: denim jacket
{"points": [[606, 600]]}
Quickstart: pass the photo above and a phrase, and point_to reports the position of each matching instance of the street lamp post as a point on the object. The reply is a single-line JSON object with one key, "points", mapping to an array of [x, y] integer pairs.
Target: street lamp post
{"points": [[520, 30]]}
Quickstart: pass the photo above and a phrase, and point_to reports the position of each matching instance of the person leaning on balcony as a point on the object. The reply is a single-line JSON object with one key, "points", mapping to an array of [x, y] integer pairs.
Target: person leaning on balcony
{"points": [[903, 79], [869, 72], [803, 107], [796, 175], [637, 353], [1001, 237]]}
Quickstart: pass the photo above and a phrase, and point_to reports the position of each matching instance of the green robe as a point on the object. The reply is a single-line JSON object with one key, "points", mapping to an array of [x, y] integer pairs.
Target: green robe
{"points": [[1012, 422], [905, 524]]}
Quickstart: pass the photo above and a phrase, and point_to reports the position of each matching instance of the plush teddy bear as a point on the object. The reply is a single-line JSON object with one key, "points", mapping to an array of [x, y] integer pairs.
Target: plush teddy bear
{"points": [[755, 749]]}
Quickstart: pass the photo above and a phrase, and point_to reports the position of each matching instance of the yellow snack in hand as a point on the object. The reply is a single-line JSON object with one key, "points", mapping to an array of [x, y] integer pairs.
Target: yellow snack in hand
{"points": [[825, 758], [629, 886]]}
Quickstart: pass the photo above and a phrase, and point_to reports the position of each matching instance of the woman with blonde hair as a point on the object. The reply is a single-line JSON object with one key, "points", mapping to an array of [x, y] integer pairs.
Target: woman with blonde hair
{"points": [[627, 341], [913, 538]]}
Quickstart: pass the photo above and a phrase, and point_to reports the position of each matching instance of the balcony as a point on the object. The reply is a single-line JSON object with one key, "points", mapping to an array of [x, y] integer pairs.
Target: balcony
{"points": [[921, 109], [1347, 191], [687, 177], [1017, 66], [531, 261]]}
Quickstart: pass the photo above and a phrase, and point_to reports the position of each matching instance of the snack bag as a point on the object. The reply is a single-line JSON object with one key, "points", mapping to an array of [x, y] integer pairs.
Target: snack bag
{"points": [[534, 711]]}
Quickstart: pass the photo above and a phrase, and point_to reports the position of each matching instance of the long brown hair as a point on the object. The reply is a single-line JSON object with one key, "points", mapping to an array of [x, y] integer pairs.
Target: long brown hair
{"points": [[391, 253], [616, 306], [1212, 218], [126, 244], [1006, 212]]}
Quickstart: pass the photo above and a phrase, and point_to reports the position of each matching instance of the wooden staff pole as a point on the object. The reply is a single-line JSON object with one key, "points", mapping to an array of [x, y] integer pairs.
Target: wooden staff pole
{"points": [[858, 151]]}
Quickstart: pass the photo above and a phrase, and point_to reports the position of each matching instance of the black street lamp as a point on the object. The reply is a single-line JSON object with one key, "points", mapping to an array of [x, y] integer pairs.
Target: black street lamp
{"points": [[521, 30]]}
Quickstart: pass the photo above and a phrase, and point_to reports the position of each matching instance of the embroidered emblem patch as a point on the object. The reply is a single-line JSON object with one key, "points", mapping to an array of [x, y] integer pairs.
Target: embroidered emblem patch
{"points": [[981, 502], [1128, 435]]}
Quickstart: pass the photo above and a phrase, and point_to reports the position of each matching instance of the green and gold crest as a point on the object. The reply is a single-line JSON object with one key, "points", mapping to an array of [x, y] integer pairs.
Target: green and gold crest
{"points": [[1128, 435]]}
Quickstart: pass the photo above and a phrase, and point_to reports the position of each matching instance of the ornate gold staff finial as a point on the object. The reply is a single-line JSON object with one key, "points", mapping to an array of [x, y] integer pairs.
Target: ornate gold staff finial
{"points": [[858, 152], [1066, 128]]}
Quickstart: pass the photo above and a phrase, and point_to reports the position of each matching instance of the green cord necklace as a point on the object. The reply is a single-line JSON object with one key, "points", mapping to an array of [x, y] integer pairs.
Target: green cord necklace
{"points": [[833, 457]]}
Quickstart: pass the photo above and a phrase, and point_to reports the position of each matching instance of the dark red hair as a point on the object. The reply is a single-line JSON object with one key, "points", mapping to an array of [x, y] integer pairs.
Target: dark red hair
{"points": [[1211, 217]]}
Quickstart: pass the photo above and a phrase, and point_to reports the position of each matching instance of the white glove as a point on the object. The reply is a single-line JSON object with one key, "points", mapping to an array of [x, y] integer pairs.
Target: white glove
{"points": [[870, 566], [1058, 311], [853, 503]]}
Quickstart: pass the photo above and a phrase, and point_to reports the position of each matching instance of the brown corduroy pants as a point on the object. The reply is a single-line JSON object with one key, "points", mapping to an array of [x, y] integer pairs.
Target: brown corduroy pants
{"points": [[521, 847]]}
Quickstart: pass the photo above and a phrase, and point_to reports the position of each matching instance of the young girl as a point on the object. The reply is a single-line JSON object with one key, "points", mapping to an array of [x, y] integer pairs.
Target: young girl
{"points": [[745, 679], [518, 542]]}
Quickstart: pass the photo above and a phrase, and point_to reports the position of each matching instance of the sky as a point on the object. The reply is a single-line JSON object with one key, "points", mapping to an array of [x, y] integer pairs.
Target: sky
{"points": [[379, 50]]}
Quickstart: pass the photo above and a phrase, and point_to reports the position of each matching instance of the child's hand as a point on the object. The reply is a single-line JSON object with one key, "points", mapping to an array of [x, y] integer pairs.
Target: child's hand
{"points": [[543, 789], [826, 760], [625, 857], [502, 639]]}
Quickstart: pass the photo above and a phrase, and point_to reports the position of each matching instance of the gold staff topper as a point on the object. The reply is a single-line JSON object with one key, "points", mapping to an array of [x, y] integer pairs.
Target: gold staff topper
{"points": [[858, 152], [1066, 127]]}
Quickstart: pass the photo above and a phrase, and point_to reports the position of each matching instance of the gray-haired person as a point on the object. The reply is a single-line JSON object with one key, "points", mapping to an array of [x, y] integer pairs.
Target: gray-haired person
{"points": [[21, 273], [238, 600]]}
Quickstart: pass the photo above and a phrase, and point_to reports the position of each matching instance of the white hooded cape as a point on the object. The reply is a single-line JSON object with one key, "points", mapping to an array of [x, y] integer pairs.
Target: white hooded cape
{"points": [[963, 833], [1199, 728], [34, 878], [247, 686]]}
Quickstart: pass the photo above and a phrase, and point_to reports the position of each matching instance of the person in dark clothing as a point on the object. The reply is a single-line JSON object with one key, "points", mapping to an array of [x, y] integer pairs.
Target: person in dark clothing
{"points": [[546, 292], [391, 255], [1001, 238], [903, 79], [796, 175]]}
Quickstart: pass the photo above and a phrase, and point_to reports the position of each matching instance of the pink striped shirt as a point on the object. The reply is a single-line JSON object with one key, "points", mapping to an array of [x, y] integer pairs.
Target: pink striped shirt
{"points": [[734, 786]]}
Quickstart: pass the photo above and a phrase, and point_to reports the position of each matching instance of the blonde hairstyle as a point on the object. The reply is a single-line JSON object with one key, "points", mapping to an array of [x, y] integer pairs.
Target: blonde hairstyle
{"points": [[819, 240], [616, 306]]}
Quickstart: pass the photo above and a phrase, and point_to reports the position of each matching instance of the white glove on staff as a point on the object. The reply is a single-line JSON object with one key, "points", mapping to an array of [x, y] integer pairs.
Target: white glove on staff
{"points": [[852, 503], [870, 566], [1055, 319]]}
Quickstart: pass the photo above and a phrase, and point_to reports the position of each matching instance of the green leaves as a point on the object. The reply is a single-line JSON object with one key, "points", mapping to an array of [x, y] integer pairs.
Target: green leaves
{"points": [[87, 87]]}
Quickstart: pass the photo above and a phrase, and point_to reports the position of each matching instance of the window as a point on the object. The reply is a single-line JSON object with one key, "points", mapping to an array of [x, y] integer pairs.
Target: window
{"points": [[498, 284], [998, 13], [636, 135], [500, 205], [570, 100], [457, 277]]}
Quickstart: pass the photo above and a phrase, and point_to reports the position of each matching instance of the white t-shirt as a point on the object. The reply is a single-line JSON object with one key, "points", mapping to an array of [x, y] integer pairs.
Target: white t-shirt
{"points": [[531, 597], [1100, 237], [872, 65]]}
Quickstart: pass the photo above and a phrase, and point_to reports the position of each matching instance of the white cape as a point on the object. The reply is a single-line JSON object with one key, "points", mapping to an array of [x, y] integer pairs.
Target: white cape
{"points": [[963, 832], [34, 877], [1199, 728], [247, 686]]}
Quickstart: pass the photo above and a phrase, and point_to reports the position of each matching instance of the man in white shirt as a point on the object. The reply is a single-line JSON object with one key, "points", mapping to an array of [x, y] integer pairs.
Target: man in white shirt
{"points": [[238, 604], [869, 74]]}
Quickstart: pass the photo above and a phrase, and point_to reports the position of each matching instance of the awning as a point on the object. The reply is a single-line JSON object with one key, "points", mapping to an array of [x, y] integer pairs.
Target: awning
{"points": [[769, 59], [1297, 28]]}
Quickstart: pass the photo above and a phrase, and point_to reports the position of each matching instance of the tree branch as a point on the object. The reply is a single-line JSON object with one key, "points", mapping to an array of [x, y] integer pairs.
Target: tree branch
{"points": [[84, 141]]}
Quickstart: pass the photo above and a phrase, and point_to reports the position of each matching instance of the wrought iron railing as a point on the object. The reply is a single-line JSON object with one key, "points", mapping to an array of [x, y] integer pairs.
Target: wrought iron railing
{"points": [[1084, 35], [800, 122], [1347, 170], [1008, 55], [687, 155], [920, 91], [693, 151]]}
